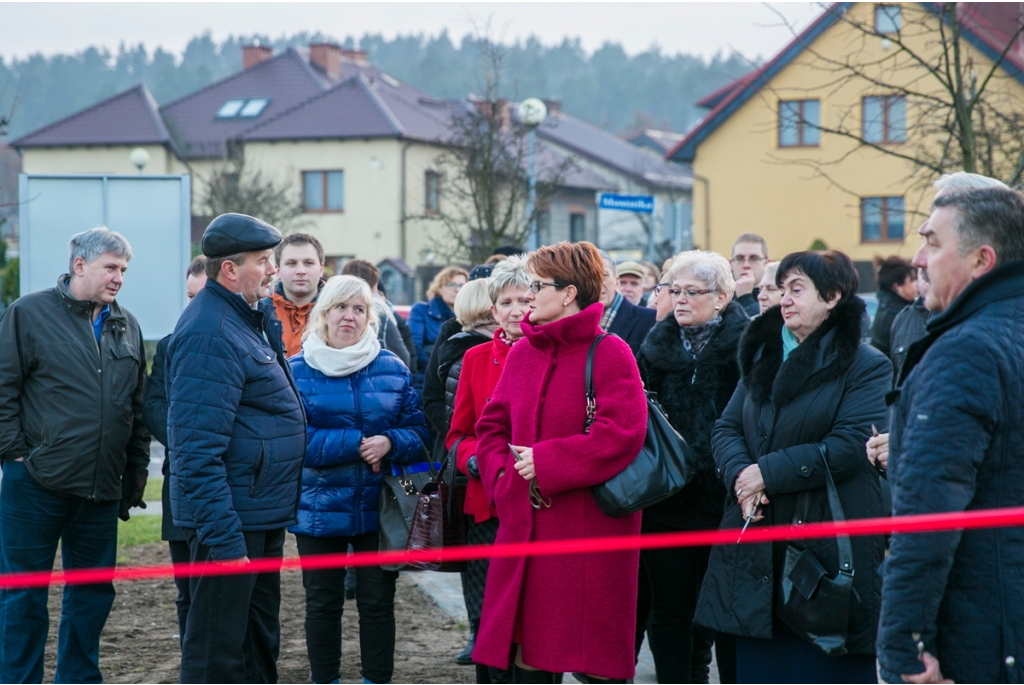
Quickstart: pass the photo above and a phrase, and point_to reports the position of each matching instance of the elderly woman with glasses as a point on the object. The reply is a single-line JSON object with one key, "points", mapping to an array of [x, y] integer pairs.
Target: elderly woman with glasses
{"points": [[689, 360], [539, 456], [810, 395]]}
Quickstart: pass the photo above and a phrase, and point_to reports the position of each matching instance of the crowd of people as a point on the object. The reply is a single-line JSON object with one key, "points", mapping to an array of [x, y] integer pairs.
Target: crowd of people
{"points": [[285, 398]]}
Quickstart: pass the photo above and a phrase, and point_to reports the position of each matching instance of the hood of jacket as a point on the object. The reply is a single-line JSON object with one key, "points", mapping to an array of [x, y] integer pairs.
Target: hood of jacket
{"points": [[577, 329], [824, 356]]}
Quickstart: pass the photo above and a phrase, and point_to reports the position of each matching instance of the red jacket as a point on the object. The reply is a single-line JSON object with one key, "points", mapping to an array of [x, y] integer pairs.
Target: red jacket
{"points": [[572, 612], [481, 368]]}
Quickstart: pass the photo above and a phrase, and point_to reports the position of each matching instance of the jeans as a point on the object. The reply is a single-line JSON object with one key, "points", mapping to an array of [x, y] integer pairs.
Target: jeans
{"points": [[181, 555], [32, 521], [675, 576], [325, 602], [233, 632]]}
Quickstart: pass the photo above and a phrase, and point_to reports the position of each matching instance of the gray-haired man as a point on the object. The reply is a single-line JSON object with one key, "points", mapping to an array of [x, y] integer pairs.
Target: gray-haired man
{"points": [[74, 451]]}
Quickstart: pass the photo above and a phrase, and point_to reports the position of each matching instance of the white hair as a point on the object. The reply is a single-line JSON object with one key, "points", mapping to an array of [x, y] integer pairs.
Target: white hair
{"points": [[89, 245], [709, 267], [508, 273], [962, 180]]}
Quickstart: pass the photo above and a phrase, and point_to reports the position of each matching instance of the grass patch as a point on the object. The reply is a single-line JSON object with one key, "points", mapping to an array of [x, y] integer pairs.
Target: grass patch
{"points": [[139, 530], [153, 488]]}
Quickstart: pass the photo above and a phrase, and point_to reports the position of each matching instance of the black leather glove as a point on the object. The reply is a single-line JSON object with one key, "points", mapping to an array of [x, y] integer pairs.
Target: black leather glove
{"points": [[472, 467], [133, 487]]}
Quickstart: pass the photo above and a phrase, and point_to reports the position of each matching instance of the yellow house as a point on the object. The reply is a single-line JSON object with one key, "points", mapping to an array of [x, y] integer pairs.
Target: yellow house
{"points": [[804, 148]]}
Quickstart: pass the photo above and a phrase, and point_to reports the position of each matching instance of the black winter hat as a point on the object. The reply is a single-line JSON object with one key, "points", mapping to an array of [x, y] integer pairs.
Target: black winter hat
{"points": [[230, 234]]}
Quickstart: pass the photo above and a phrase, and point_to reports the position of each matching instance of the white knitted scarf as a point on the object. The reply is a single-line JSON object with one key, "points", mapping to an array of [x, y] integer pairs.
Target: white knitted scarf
{"points": [[346, 361]]}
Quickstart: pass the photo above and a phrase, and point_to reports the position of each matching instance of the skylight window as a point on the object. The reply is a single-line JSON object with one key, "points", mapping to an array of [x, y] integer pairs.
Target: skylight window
{"points": [[253, 107], [230, 109], [242, 108]]}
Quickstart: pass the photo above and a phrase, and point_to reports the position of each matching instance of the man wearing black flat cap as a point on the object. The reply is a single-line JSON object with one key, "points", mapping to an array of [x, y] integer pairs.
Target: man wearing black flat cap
{"points": [[237, 439]]}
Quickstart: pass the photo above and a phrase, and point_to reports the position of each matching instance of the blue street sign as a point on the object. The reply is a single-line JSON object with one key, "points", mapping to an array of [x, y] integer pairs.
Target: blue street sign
{"points": [[643, 204]]}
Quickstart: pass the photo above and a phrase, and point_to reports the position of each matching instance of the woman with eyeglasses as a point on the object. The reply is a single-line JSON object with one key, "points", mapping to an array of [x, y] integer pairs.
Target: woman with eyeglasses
{"points": [[539, 456], [425, 318], [769, 294], [689, 360]]}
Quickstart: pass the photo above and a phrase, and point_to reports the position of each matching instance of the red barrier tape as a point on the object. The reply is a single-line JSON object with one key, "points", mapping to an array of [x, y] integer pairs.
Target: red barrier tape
{"points": [[924, 523]]}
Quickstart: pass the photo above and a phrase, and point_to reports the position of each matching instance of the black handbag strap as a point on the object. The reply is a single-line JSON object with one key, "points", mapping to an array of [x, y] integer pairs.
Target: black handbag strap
{"points": [[589, 380], [836, 506]]}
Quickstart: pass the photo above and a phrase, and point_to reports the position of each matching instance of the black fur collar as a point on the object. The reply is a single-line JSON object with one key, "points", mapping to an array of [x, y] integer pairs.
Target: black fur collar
{"points": [[663, 348], [826, 354]]}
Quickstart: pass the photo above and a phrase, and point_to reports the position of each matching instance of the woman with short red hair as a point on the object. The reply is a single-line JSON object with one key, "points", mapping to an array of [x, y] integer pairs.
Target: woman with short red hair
{"points": [[574, 612]]}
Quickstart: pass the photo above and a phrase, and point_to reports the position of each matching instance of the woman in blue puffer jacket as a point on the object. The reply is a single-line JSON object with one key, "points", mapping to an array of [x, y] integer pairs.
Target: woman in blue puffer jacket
{"points": [[362, 416]]}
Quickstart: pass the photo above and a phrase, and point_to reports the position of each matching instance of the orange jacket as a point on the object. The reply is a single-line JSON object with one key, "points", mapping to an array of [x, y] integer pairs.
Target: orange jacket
{"points": [[293, 320]]}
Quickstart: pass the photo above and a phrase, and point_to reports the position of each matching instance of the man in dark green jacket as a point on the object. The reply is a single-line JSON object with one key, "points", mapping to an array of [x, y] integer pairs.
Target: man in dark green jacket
{"points": [[74, 452]]}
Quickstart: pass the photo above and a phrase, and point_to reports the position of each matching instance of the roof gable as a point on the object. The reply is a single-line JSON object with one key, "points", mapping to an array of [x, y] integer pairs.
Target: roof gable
{"points": [[128, 118]]}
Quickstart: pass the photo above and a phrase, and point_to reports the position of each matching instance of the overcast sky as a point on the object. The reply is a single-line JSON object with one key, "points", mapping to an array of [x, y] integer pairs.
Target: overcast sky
{"points": [[702, 28]]}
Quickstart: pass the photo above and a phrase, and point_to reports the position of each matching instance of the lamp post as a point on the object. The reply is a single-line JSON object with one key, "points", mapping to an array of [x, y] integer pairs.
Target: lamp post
{"points": [[532, 113], [139, 157]]}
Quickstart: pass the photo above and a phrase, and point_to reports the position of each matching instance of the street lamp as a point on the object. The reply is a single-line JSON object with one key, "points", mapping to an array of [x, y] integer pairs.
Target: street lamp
{"points": [[139, 157], [532, 113]]}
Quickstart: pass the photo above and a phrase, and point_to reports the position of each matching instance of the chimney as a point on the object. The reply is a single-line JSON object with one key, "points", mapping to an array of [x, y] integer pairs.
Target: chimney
{"points": [[254, 54], [327, 56], [499, 110], [554, 105], [357, 56]]}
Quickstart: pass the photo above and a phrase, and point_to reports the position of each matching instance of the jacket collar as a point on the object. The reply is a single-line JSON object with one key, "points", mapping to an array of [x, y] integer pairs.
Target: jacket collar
{"points": [[254, 317], [824, 356], [578, 329], [278, 296], [83, 307], [663, 350], [1002, 283], [438, 309], [888, 297]]}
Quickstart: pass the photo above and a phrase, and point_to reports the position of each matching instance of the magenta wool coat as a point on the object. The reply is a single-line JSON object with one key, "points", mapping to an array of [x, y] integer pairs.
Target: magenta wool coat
{"points": [[576, 612]]}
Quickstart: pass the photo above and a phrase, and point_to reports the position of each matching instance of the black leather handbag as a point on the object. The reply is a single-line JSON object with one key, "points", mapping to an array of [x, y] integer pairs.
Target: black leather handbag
{"points": [[815, 606], [663, 467], [397, 505]]}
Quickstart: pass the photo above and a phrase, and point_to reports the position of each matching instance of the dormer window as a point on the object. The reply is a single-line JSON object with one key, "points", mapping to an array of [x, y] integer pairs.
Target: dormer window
{"points": [[242, 108]]}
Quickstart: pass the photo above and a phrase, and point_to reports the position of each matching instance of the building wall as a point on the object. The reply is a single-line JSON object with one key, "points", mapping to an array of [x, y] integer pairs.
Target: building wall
{"points": [[112, 159], [783, 193]]}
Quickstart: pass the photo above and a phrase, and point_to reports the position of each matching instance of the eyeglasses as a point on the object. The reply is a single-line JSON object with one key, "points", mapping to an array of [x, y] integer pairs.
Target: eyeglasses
{"points": [[676, 293], [752, 259], [661, 286], [537, 285], [454, 286]]}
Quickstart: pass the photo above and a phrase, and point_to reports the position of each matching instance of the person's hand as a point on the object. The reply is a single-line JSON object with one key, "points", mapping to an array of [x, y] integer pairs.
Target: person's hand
{"points": [[878, 450], [244, 561], [745, 284], [372, 450], [752, 503], [931, 673], [748, 483], [525, 463]]}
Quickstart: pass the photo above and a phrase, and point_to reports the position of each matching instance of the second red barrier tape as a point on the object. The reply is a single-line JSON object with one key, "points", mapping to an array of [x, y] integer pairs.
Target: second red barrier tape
{"points": [[924, 523]]}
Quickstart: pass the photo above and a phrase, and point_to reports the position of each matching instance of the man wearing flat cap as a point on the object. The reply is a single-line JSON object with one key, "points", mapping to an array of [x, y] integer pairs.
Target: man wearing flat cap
{"points": [[237, 439]]}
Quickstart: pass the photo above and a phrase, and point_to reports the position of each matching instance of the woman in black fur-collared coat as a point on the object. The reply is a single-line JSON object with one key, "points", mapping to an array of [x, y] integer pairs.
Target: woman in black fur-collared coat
{"points": [[807, 381], [689, 360]]}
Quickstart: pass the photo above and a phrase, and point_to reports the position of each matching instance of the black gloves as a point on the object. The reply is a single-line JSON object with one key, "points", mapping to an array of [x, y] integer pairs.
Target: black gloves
{"points": [[472, 467], [133, 486]]}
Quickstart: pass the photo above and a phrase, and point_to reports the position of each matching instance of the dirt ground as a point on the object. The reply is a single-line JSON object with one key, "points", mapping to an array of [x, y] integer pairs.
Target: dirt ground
{"points": [[140, 641]]}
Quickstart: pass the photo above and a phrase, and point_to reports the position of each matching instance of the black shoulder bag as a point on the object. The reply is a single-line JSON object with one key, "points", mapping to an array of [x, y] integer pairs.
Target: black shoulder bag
{"points": [[814, 606], [663, 467]]}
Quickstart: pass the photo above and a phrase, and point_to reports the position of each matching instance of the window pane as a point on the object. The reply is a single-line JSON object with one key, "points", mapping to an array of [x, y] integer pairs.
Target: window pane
{"points": [[888, 18], [253, 107], [544, 227], [577, 227], [335, 190], [313, 190], [811, 120], [895, 217], [788, 123], [230, 109], [871, 219], [897, 132], [432, 191], [873, 121]]}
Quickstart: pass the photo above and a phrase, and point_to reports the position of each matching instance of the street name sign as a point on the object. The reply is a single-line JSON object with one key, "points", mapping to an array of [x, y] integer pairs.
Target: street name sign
{"points": [[644, 204]]}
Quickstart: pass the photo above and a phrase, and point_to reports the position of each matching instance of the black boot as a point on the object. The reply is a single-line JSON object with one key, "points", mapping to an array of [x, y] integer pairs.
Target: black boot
{"points": [[522, 675], [465, 657]]}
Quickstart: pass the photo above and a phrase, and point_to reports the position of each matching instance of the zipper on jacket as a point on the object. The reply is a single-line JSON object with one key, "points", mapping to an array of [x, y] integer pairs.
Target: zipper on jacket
{"points": [[356, 387], [103, 403]]}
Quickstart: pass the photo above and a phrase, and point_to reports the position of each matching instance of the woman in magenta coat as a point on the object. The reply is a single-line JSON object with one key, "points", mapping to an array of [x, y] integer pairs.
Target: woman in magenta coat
{"points": [[565, 613]]}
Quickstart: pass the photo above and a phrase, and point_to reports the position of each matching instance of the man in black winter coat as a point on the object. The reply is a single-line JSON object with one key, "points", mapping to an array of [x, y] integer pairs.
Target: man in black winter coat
{"points": [[908, 327], [621, 317], [897, 287], [953, 602]]}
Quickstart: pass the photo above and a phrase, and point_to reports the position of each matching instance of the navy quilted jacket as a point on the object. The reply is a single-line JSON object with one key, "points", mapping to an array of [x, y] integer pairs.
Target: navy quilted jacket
{"points": [[957, 444], [425, 319], [235, 425], [340, 492]]}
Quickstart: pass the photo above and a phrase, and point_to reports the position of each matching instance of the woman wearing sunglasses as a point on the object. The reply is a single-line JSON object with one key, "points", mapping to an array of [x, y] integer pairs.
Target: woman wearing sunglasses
{"points": [[538, 461]]}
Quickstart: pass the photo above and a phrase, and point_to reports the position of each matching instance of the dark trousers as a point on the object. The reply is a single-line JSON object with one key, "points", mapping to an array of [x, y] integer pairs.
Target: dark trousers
{"points": [[675, 576], [181, 555], [233, 632], [325, 603], [786, 658], [32, 521], [474, 582]]}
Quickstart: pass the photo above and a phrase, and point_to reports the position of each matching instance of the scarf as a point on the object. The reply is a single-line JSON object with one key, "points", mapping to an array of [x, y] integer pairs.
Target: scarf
{"points": [[789, 342], [696, 337], [344, 362], [609, 314]]}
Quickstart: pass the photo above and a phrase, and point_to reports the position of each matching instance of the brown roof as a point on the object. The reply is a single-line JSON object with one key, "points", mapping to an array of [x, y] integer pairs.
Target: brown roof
{"points": [[128, 118]]}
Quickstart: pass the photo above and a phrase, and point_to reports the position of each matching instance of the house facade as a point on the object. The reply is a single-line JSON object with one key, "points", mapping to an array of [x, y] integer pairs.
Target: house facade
{"points": [[772, 155]]}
